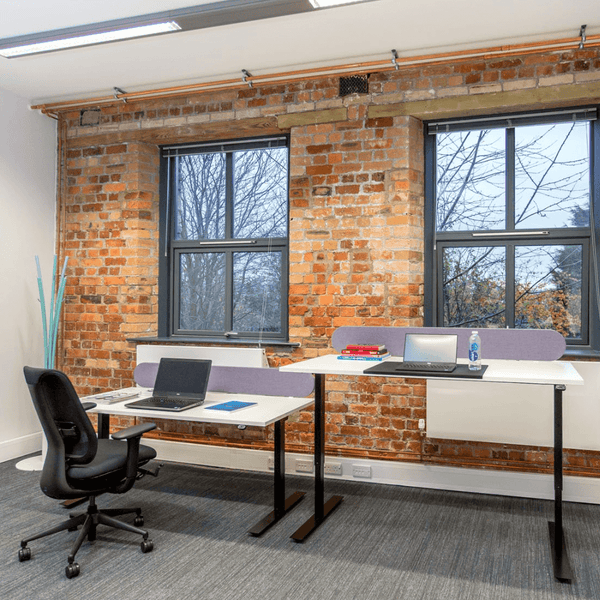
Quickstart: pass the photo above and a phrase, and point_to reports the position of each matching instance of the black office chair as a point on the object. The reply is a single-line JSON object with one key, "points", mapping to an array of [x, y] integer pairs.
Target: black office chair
{"points": [[78, 464]]}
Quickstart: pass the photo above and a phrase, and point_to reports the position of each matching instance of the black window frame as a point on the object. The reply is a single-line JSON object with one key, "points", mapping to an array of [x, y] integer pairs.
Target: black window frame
{"points": [[435, 241], [170, 249]]}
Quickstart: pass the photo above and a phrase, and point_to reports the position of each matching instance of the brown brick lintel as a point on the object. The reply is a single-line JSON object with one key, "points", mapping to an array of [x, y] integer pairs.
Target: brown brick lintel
{"points": [[313, 117], [479, 104]]}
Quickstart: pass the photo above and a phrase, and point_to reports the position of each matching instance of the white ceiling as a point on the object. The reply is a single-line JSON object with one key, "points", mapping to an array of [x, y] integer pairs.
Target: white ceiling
{"points": [[359, 32]]}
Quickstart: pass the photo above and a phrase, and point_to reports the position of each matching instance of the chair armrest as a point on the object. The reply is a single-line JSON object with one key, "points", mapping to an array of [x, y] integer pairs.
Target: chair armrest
{"points": [[133, 435], [88, 405], [133, 432]]}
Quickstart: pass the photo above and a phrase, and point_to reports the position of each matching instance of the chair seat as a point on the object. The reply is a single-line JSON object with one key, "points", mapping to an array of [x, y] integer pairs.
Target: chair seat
{"points": [[110, 458]]}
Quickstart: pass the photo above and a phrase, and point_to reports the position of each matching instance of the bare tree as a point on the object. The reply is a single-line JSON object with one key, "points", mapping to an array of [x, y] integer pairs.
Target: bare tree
{"points": [[256, 210], [551, 190]]}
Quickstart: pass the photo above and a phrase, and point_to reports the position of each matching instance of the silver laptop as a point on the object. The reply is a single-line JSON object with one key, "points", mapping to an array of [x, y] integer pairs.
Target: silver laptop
{"points": [[429, 352], [181, 383]]}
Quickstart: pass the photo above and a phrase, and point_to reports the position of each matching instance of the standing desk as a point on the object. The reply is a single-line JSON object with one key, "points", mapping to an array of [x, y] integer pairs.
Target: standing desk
{"points": [[550, 373], [267, 410]]}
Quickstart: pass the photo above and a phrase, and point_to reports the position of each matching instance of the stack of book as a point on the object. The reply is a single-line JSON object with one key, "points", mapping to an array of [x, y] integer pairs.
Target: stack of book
{"points": [[363, 352]]}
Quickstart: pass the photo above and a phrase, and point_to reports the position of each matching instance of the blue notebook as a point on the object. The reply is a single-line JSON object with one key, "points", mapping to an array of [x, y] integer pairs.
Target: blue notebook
{"points": [[229, 406]]}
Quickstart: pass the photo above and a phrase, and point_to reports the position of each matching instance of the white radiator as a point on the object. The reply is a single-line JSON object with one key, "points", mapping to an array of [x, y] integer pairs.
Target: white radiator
{"points": [[220, 355], [515, 413]]}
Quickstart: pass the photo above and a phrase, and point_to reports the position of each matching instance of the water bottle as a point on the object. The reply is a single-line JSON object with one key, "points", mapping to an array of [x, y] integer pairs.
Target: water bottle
{"points": [[474, 351]]}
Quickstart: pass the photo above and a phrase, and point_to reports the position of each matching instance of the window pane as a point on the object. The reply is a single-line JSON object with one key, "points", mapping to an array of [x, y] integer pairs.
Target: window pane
{"points": [[260, 193], [552, 175], [200, 198], [257, 291], [202, 291], [548, 288], [473, 292], [470, 180]]}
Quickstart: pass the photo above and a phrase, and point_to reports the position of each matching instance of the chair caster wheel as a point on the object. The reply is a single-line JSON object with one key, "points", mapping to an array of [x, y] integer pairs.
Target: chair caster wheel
{"points": [[72, 570], [139, 521], [24, 554], [147, 546]]}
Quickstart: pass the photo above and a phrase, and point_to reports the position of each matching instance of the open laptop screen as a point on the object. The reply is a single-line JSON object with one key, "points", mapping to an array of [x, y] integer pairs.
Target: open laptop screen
{"points": [[425, 347], [182, 377]]}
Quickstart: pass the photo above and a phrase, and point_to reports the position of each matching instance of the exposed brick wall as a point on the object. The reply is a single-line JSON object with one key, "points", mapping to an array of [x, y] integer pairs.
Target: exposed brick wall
{"points": [[111, 235], [356, 252], [356, 258], [356, 233]]}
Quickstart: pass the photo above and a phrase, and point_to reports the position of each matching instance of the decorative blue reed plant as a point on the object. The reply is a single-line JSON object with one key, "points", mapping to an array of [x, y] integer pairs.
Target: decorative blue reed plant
{"points": [[50, 323]]}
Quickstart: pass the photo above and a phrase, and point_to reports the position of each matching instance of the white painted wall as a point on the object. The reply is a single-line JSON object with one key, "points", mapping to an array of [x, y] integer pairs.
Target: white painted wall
{"points": [[27, 228]]}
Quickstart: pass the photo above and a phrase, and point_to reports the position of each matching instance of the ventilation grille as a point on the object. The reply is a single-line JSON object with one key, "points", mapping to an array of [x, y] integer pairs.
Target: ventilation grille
{"points": [[354, 84]]}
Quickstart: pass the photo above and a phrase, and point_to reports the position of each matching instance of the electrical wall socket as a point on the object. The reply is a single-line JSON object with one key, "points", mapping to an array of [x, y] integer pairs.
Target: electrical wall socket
{"points": [[304, 466], [422, 424], [361, 471], [333, 468]]}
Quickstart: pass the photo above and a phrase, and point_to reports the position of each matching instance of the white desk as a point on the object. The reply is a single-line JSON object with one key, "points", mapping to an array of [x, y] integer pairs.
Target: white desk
{"points": [[536, 372], [267, 410], [552, 373]]}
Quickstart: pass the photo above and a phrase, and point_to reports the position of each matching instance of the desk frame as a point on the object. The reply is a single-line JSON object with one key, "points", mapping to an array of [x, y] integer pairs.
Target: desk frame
{"points": [[558, 549], [281, 504], [320, 368], [322, 509]]}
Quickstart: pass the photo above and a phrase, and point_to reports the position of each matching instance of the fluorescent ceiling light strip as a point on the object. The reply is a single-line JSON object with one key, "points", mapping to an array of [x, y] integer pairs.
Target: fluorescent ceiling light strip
{"points": [[87, 40], [326, 3]]}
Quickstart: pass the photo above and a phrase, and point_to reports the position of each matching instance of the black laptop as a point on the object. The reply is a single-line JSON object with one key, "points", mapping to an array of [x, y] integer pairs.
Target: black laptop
{"points": [[181, 384]]}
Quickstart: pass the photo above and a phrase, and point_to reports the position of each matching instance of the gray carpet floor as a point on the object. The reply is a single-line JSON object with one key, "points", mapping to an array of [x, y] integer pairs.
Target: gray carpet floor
{"points": [[381, 543]]}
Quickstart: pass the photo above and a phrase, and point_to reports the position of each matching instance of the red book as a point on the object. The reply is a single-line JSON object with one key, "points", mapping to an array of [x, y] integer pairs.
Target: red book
{"points": [[364, 352], [365, 347]]}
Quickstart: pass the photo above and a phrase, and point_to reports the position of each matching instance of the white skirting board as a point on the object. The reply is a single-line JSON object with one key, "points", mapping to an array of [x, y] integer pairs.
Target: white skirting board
{"points": [[480, 481], [22, 446]]}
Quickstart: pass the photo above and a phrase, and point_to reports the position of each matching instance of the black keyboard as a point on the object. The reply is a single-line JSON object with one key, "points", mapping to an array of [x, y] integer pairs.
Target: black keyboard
{"points": [[427, 366]]}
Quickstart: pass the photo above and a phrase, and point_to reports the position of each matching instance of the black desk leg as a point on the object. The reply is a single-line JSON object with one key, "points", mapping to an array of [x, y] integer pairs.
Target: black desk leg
{"points": [[282, 505], [560, 559], [322, 508], [103, 426]]}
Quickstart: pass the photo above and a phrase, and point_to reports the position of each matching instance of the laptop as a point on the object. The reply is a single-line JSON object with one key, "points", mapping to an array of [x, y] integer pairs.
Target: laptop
{"points": [[181, 384], [434, 353]]}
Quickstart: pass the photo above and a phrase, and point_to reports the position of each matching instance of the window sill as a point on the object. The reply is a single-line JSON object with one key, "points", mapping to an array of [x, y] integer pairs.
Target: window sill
{"points": [[216, 340], [585, 353]]}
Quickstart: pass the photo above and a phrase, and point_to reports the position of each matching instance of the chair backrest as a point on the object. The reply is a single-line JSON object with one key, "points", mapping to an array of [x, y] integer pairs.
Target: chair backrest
{"points": [[71, 436]]}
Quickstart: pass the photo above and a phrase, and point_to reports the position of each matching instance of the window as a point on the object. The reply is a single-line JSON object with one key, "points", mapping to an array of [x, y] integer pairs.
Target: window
{"points": [[224, 240], [510, 227]]}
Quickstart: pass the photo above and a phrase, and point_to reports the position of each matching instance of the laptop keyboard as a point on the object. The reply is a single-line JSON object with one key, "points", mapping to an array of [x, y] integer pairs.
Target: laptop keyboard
{"points": [[164, 403], [425, 366]]}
